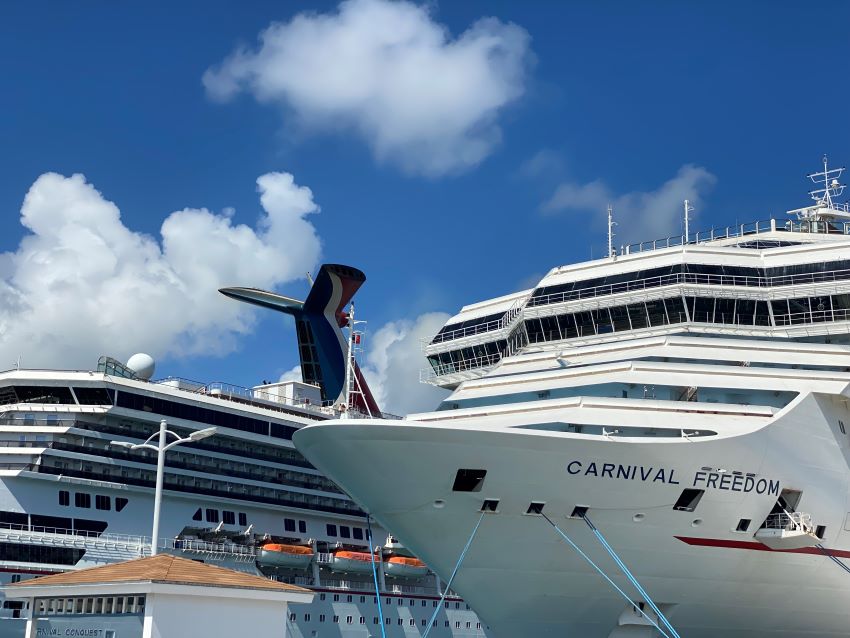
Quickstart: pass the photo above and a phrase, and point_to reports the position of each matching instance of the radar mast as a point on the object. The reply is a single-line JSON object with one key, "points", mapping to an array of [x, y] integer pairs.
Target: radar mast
{"points": [[826, 208]]}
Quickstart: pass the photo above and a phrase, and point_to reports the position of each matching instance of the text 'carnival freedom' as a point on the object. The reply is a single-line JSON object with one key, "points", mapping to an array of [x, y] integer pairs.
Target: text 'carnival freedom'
{"points": [[732, 482]]}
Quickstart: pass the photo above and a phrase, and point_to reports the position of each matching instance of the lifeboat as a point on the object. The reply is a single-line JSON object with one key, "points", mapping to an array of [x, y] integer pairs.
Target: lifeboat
{"points": [[405, 567], [353, 562], [277, 555]]}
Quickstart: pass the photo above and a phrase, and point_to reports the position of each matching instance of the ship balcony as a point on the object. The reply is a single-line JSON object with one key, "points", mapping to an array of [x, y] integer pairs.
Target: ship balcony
{"points": [[788, 530]]}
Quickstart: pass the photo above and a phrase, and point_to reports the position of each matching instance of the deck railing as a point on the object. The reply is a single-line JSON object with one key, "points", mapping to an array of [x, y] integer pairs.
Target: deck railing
{"points": [[697, 279], [741, 230]]}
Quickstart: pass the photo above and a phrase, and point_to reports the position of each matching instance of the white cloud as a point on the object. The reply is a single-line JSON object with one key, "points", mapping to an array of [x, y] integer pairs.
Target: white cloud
{"points": [[393, 362], [389, 72], [291, 375], [82, 284], [640, 216]]}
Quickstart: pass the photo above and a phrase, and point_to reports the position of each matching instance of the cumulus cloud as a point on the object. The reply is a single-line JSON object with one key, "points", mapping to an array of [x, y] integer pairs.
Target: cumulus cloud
{"points": [[389, 72], [293, 374], [639, 215], [394, 359], [81, 283]]}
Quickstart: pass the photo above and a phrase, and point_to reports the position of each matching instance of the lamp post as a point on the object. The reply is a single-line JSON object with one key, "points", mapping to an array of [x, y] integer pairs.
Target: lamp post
{"points": [[161, 448]]}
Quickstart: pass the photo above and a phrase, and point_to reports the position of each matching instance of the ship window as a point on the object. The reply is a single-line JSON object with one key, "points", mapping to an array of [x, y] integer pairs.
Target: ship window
{"points": [[336, 598], [212, 515], [688, 500], [349, 598], [82, 500], [15, 520], [302, 527], [24, 553], [331, 530], [60, 524], [743, 525], [469, 480], [321, 618], [93, 396], [289, 524], [64, 498], [358, 533], [243, 518], [43, 394], [197, 516], [228, 517], [87, 527], [820, 531], [345, 531], [102, 502]]}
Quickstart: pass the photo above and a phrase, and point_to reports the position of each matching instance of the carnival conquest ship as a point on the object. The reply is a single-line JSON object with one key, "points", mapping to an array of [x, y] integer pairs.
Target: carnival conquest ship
{"points": [[73, 495], [651, 444]]}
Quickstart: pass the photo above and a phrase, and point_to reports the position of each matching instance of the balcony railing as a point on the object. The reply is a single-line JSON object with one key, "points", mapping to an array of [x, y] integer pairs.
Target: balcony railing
{"points": [[698, 279]]}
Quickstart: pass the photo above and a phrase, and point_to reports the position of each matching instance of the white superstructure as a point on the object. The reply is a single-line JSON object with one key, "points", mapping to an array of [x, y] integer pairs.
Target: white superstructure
{"points": [[687, 398]]}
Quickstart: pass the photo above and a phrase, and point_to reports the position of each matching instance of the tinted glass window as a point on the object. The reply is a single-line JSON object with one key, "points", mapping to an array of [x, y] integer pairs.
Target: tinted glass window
{"points": [[43, 394], [93, 396]]}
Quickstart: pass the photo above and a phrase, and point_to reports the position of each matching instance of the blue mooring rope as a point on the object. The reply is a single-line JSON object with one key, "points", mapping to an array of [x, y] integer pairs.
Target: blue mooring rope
{"points": [[833, 558], [630, 576], [602, 573], [375, 577], [454, 573]]}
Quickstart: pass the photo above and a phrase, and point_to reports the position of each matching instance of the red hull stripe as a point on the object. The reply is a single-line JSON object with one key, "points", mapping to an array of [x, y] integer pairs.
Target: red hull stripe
{"points": [[756, 546]]}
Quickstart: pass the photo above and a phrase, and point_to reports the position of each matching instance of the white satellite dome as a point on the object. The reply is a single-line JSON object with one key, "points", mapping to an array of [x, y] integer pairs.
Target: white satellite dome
{"points": [[142, 364]]}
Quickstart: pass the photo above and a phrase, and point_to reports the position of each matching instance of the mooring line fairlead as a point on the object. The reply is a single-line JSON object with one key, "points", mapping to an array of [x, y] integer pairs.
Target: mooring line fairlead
{"points": [[454, 573], [375, 577], [630, 576], [602, 573]]}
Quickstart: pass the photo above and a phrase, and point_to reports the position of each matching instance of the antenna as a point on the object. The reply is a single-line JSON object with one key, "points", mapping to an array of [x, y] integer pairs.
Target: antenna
{"points": [[611, 223], [831, 187], [688, 210], [352, 381], [310, 279]]}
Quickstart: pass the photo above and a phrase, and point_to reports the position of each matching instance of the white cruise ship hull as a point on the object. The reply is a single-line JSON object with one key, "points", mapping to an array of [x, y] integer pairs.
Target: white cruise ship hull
{"points": [[526, 582]]}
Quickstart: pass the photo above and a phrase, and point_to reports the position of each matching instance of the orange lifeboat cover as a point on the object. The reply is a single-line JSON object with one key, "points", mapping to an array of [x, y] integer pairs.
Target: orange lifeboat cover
{"points": [[364, 556], [404, 560], [288, 549]]}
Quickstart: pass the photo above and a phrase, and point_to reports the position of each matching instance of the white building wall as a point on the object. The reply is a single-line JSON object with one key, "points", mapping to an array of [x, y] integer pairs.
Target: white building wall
{"points": [[173, 616]]}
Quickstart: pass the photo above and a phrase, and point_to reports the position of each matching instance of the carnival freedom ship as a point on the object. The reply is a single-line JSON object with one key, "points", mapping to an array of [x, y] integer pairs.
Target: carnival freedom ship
{"points": [[650, 444], [73, 495]]}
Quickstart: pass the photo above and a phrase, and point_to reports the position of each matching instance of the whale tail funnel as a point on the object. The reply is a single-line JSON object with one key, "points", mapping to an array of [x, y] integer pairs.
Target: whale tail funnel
{"points": [[319, 320]]}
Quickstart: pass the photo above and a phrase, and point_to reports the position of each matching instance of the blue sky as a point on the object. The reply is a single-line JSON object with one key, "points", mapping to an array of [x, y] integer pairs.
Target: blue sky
{"points": [[729, 103]]}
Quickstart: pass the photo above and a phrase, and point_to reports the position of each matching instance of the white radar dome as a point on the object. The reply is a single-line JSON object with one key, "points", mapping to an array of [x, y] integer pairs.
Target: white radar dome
{"points": [[142, 364]]}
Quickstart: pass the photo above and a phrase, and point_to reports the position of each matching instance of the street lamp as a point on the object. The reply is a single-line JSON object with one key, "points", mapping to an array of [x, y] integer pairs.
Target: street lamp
{"points": [[161, 448]]}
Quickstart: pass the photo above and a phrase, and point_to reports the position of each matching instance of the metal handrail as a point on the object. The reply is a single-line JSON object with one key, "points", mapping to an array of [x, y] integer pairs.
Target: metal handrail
{"points": [[693, 279], [467, 364], [739, 230], [789, 521], [496, 324]]}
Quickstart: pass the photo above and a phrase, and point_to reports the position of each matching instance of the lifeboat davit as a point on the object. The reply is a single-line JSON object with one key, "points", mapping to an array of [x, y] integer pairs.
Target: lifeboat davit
{"points": [[396, 548], [404, 566], [353, 562], [291, 556]]}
